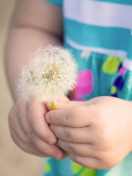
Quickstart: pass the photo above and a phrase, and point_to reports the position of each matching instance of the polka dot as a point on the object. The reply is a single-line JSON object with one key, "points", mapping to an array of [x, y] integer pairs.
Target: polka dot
{"points": [[84, 83], [119, 83], [114, 95], [111, 65], [90, 172], [122, 70], [47, 168], [79, 170], [76, 167], [113, 89]]}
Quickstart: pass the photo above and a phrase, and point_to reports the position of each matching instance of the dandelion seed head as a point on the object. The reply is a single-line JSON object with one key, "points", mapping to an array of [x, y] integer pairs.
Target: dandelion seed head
{"points": [[51, 73]]}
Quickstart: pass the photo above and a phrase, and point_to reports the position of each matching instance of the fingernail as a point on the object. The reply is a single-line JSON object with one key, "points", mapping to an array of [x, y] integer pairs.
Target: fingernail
{"points": [[51, 141], [47, 118], [58, 156]]}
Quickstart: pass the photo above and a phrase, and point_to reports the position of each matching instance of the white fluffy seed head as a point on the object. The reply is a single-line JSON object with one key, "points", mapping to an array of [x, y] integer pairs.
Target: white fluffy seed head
{"points": [[51, 73]]}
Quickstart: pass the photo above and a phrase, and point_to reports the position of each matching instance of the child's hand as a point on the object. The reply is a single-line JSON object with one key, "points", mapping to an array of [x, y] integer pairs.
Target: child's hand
{"points": [[30, 131], [96, 133]]}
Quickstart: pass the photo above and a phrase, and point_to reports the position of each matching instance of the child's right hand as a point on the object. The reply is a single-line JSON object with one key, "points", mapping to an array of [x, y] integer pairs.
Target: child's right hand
{"points": [[30, 130]]}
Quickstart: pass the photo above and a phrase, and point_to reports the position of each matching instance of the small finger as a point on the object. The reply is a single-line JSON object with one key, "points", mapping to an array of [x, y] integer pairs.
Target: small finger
{"points": [[74, 135], [21, 136], [36, 116], [50, 150], [26, 148], [77, 149], [23, 120]]}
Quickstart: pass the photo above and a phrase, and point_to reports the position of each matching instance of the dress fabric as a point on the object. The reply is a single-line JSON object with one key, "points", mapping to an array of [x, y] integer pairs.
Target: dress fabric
{"points": [[101, 43]]}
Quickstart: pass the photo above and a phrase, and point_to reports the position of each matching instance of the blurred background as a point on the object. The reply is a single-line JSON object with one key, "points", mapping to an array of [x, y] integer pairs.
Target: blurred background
{"points": [[13, 161]]}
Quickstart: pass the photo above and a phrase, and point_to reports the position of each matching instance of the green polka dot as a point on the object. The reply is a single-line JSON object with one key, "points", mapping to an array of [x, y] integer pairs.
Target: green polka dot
{"points": [[113, 89], [111, 65], [90, 172], [79, 170], [47, 167], [76, 167]]}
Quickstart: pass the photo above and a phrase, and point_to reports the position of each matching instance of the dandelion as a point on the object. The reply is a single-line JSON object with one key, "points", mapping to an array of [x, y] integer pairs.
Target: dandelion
{"points": [[51, 73]]}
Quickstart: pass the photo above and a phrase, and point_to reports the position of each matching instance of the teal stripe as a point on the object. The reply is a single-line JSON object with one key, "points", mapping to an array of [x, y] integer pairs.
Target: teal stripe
{"points": [[97, 36], [125, 2], [55, 2]]}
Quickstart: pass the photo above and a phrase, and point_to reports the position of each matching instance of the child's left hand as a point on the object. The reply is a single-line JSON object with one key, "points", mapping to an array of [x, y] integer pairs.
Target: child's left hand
{"points": [[96, 133]]}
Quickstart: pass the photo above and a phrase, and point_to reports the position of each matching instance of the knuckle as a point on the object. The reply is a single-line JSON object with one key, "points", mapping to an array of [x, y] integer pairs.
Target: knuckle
{"points": [[31, 137], [32, 119], [66, 118], [92, 106], [102, 139], [70, 113], [72, 149], [66, 133]]}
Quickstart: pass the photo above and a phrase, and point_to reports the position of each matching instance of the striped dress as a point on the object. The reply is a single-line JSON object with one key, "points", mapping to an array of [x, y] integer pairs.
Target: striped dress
{"points": [[99, 34]]}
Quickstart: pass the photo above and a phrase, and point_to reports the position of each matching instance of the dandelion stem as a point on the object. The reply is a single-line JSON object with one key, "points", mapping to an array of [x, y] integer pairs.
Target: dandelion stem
{"points": [[53, 107]]}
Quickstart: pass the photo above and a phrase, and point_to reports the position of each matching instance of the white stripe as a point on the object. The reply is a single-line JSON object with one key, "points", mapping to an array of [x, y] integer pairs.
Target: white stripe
{"points": [[116, 53], [128, 64], [99, 13]]}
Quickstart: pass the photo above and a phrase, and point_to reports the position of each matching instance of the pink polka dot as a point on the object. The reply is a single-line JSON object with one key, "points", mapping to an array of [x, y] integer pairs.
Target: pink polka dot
{"points": [[122, 70], [84, 83]]}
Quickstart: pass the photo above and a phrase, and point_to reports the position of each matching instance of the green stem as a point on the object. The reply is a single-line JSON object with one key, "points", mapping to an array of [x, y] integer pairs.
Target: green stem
{"points": [[53, 107]]}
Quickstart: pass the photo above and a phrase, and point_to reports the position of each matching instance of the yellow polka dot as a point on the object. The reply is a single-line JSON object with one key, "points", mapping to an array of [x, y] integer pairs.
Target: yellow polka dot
{"points": [[47, 168], [76, 167], [113, 89], [111, 65], [90, 172], [81, 171]]}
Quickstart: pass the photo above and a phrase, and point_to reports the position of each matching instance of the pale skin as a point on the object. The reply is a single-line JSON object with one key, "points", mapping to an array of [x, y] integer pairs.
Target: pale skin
{"points": [[96, 133], [32, 25]]}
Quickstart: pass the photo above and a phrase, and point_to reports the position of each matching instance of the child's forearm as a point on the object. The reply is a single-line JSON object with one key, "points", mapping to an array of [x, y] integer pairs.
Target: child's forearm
{"points": [[35, 23], [22, 43]]}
